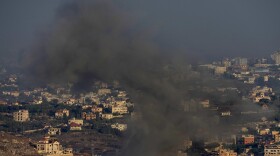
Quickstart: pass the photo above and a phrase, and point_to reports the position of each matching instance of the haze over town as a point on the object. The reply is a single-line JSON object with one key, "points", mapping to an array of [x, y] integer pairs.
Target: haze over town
{"points": [[139, 78]]}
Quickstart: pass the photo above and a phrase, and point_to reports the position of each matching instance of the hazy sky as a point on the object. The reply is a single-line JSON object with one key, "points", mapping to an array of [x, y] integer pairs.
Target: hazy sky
{"points": [[208, 28]]}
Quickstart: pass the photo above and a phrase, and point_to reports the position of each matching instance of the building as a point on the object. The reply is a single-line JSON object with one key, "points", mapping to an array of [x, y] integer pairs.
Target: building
{"points": [[21, 116], [88, 116], [120, 127], [51, 147], [220, 70], [226, 152], [248, 139], [272, 150], [75, 124], [103, 91], [119, 109], [106, 116], [276, 57], [276, 137], [205, 103], [241, 61], [62, 113], [54, 131], [97, 109]]}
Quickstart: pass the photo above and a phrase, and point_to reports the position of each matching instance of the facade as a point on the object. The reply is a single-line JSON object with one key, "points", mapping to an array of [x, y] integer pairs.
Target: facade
{"points": [[88, 116], [248, 139], [241, 61], [119, 109], [272, 150], [75, 124], [97, 109], [21, 116], [106, 116], [54, 131], [205, 103], [277, 138], [61, 113], [276, 57], [103, 91], [120, 127], [51, 147], [226, 152], [220, 70]]}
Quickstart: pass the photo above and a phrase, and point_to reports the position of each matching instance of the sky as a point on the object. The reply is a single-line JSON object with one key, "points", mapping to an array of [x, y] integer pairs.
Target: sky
{"points": [[202, 28]]}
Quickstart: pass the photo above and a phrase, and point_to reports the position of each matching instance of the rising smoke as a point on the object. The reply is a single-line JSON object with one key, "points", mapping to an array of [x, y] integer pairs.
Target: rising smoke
{"points": [[98, 40]]}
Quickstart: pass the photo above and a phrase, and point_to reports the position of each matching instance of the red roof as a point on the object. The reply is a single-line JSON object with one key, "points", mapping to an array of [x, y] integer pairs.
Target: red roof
{"points": [[73, 124]]}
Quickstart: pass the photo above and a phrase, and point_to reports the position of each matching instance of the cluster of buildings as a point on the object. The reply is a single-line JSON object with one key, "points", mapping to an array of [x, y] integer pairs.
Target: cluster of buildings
{"points": [[246, 70]]}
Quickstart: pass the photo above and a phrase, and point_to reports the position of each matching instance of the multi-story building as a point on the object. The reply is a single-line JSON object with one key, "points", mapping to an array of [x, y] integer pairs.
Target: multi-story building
{"points": [[272, 150], [276, 137], [61, 113], [88, 116], [276, 57], [21, 115], [54, 131], [97, 109], [106, 116], [119, 109], [241, 61], [220, 70], [120, 127], [75, 124], [248, 139], [51, 147], [226, 152]]}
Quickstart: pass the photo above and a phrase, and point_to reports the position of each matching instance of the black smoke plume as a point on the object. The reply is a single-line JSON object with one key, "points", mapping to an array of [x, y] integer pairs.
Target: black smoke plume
{"points": [[98, 40]]}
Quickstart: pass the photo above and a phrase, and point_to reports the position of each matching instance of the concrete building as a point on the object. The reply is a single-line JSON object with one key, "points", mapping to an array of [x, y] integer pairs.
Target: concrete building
{"points": [[21, 116], [88, 116], [226, 152], [272, 150], [241, 61], [248, 139], [106, 116], [61, 113], [276, 57], [54, 131], [103, 91], [220, 70], [120, 127], [119, 109], [51, 147], [75, 124]]}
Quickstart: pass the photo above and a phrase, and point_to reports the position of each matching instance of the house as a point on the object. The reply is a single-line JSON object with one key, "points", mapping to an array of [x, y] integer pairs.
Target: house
{"points": [[106, 116], [61, 113], [21, 116], [75, 127], [119, 109], [226, 152], [272, 150], [248, 139], [120, 127], [75, 124], [54, 131], [51, 147], [103, 91], [97, 109], [88, 116]]}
